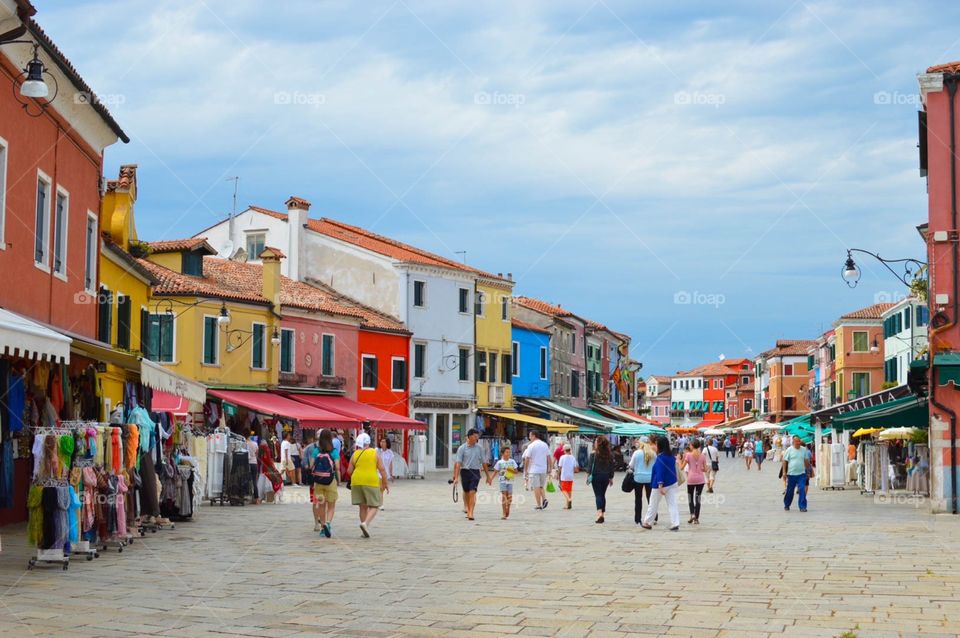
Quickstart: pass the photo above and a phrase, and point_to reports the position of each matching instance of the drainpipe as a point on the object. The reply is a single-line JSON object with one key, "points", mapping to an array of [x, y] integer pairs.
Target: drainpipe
{"points": [[950, 80]]}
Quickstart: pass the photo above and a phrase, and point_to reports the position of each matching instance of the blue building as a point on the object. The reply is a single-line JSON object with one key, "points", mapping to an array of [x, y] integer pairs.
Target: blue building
{"points": [[530, 360]]}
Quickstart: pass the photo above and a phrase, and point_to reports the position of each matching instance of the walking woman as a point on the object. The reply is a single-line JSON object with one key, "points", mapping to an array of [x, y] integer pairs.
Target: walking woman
{"points": [[269, 481], [748, 453], [601, 473], [641, 464], [323, 470], [366, 480], [695, 463], [664, 483], [386, 455]]}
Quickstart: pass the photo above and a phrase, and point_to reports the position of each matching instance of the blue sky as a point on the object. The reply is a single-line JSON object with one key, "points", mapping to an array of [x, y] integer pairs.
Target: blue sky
{"points": [[616, 157]]}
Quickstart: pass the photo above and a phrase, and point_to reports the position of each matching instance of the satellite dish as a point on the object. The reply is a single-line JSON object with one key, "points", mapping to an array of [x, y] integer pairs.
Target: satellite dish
{"points": [[227, 250], [722, 357]]}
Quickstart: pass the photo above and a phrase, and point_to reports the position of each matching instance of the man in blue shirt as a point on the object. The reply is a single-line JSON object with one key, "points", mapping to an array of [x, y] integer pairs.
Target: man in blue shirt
{"points": [[796, 464]]}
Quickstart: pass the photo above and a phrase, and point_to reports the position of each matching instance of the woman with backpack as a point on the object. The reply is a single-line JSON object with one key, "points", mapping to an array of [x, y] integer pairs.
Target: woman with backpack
{"points": [[324, 476]]}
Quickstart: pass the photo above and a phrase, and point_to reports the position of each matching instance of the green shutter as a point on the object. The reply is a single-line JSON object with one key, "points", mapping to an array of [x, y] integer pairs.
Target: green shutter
{"points": [[257, 345], [210, 340]]}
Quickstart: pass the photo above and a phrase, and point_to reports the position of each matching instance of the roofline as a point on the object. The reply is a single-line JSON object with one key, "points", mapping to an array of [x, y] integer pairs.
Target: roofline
{"points": [[72, 74]]}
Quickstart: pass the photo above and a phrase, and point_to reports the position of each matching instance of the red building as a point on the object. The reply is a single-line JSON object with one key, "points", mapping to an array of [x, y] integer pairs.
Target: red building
{"points": [[939, 144], [51, 164], [725, 390]]}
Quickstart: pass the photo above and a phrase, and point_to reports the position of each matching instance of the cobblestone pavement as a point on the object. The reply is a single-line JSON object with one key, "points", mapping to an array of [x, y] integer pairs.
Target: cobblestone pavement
{"points": [[750, 569]]}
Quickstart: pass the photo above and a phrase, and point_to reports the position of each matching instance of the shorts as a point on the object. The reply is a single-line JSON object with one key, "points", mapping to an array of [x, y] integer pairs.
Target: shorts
{"points": [[506, 488], [324, 493], [365, 495], [537, 481], [296, 462], [470, 479], [711, 473], [566, 487], [759, 458], [288, 465]]}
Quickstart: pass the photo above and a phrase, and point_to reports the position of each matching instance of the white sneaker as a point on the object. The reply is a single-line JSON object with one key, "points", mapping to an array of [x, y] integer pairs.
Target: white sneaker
{"points": [[316, 526], [364, 530]]}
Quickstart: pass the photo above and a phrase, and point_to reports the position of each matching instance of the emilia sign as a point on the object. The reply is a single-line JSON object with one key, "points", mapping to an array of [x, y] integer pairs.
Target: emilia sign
{"points": [[884, 396]]}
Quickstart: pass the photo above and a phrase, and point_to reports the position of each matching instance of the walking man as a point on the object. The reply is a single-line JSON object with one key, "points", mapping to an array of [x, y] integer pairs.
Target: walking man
{"points": [[470, 461], [796, 464], [537, 462]]}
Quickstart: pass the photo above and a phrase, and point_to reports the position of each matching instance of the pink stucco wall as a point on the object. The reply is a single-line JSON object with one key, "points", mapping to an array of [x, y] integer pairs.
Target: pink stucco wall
{"points": [[308, 355]]}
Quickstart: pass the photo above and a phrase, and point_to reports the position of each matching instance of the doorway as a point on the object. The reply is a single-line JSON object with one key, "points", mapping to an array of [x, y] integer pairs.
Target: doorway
{"points": [[442, 434]]}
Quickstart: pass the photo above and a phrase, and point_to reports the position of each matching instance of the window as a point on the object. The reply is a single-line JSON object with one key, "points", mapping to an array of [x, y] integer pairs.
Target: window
{"points": [[543, 362], [398, 378], [211, 341], [515, 359], [256, 242], [60, 226], [104, 315], [464, 364], [288, 341], [160, 337], [327, 356], [745, 380], [788, 369], [492, 367], [860, 341], [747, 405], [575, 383], [923, 315], [789, 403], [90, 258], [3, 191], [481, 363], [41, 233], [906, 317], [833, 351], [191, 263], [479, 302], [124, 308], [890, 370], [368, 374], [573, 344], [505, 308], [506, 366], [464, 300], [419, 360], [861, 384], [419, 294], [258, 347], [833, 392], [810, 362]]}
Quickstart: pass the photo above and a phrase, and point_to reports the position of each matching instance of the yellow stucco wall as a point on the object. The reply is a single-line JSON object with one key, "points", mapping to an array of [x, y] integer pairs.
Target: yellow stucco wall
{"points": [[235, 367], [494, 335], [172, 261]]}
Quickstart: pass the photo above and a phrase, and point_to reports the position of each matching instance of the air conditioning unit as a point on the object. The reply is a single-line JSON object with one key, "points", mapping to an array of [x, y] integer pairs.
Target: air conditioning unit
{"points": [[496, 394]]}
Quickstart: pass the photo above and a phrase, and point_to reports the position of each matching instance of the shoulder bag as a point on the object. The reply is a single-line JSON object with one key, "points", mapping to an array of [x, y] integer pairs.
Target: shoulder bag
{"points": [[593, 464]]}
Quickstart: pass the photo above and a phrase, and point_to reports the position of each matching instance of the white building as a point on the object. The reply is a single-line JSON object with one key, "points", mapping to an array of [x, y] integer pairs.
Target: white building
{"points": [[904, 338], [686, 396], [434, 296]]}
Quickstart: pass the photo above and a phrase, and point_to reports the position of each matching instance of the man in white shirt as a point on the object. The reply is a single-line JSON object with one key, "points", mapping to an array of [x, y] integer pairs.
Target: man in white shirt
{"points": [[713, 463], [286, 460], [537, 462]]}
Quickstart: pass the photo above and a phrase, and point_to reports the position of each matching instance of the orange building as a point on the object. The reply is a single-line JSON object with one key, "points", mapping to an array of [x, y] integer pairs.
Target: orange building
{"points": [[721, 383], [858, 367], [782, 380]]}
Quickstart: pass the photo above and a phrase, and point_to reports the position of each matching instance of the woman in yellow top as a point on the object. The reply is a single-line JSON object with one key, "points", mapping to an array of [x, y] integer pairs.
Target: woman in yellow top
{"points": [[367, 478]]}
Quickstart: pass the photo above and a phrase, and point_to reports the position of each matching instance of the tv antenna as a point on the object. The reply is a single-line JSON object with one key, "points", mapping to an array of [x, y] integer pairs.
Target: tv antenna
{"points": [[463, 255], [236, 185]]}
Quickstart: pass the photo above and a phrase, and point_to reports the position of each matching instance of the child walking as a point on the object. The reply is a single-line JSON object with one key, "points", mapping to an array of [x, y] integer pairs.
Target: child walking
{"points": [[506, 468]]}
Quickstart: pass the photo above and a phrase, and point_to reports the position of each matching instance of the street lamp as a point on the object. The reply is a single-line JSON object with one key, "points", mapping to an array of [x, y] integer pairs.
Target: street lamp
{"points": [[851, 271], [224, 317], [275, 337]]}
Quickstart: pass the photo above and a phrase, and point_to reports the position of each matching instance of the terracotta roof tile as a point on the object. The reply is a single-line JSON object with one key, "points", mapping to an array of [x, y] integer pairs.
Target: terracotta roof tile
{"points": [[526, 325], [870, 312], [554, 310], [297, 202], [178, 245], [172, 283], [127, 258], [948, 67], [789, 347]]}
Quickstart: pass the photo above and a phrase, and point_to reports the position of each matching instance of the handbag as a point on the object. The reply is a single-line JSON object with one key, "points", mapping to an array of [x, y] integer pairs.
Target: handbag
{"points": [[628, 484], [592, 465], [715, 464]]}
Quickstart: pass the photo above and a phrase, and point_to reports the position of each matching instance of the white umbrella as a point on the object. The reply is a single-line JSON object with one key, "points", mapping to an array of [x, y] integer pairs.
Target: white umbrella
{"points": [[758, 426], [894, 434]]}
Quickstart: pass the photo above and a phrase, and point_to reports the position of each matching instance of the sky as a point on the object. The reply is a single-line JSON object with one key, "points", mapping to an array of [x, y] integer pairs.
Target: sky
{"points": [[688, 173]]}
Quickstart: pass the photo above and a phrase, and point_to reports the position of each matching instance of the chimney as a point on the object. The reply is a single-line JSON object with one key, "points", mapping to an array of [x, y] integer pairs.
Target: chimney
{"points": [[270, 257], [297, 215]]}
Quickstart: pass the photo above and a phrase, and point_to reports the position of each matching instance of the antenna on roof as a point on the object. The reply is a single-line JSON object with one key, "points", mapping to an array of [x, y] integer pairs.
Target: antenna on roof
{"points": [[236, 184], [463, 253]]}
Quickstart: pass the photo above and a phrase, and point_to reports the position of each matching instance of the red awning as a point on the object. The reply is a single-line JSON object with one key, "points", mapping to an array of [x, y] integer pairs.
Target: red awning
{"points": [[309, 416], [166, 402], [376, 417]]}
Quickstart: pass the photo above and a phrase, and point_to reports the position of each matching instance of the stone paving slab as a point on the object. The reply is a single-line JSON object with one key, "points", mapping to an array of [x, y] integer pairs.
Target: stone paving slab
{"points": [[750, 569]]}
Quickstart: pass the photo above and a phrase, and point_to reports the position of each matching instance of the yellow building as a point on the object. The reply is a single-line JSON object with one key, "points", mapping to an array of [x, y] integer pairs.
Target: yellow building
{"points": [[494, 345], [204, 330], [123, 304]]}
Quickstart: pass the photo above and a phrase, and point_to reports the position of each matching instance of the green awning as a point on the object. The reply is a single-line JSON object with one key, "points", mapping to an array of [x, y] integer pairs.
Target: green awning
{"points": [[591, 430], [638, 429], [906, 412]]}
